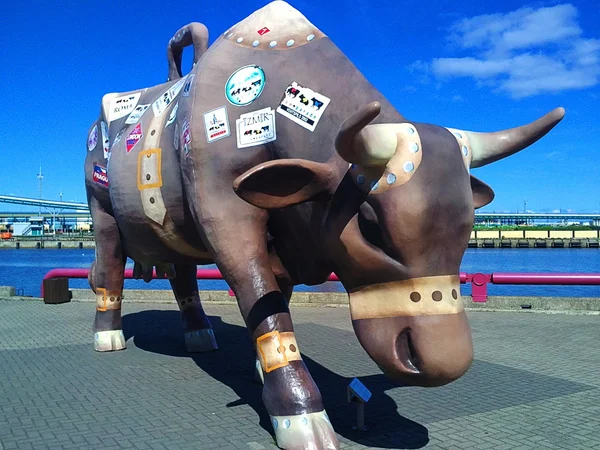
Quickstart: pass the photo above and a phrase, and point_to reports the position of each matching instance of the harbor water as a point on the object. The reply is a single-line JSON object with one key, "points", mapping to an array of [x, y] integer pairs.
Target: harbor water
{"points": [[24, 269]]}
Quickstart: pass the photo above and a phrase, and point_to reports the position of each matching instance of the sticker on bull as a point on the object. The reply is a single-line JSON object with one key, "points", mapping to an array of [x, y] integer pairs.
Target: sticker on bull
{"points": [[100, 175], [173, 115], [93, 138], [134, 137], [303, 106], [245, 85], [163, 102], [121, 106], [186, 138], [105, 139], [255, 128], [188, 85], [137, 114], [216, 124], [119, 136], [263, 31]]}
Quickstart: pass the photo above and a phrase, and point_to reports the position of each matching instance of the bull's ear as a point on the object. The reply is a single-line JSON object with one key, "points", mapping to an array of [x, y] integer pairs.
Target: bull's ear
{"points": [[283, 182], [482, 193]]}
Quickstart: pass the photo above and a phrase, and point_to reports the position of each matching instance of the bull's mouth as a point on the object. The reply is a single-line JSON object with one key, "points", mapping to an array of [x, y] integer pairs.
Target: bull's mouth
{"points": [[415, 330]]}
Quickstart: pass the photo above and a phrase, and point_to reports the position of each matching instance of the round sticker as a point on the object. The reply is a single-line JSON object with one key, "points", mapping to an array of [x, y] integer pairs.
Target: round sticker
{"points": [[245, 85], [93, 138]]}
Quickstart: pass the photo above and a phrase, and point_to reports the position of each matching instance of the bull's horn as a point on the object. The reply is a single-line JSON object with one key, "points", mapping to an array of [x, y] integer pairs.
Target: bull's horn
{"points": [[363, 144], [490, 147]]}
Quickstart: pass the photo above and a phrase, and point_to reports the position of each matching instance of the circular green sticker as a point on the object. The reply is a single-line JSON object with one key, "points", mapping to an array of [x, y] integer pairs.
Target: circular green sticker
{"points": [[245, 85]]}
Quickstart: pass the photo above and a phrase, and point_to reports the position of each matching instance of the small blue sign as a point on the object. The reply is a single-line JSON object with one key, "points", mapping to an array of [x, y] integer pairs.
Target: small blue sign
{"points": [[359, 390], [245, 85]]}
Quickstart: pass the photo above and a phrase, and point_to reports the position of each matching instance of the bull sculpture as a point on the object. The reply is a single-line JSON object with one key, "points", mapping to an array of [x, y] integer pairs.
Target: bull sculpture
{"points": [[277, 160]]}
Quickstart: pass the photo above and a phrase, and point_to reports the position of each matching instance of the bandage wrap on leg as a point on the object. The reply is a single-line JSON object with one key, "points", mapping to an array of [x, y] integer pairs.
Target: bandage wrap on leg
{"points": [[276, 350], [108, 300]]}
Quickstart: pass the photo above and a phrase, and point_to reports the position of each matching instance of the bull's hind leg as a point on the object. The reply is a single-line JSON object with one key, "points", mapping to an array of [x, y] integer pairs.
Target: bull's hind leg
{"points": [[107, 281], [290, 395], [198, 332]]}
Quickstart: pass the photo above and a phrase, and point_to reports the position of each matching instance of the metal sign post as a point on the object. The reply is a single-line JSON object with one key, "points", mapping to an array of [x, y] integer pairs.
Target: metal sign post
{"points": [[359, 394]]}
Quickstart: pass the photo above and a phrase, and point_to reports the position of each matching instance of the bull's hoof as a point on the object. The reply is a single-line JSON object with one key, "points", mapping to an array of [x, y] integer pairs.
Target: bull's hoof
{"points": [[200, 341], [259, 376], [307, 431], [109, 341]]}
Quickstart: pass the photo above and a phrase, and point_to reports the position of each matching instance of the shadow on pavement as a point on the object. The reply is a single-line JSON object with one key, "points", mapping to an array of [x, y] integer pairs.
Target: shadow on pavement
{"points": [[233, 365]]}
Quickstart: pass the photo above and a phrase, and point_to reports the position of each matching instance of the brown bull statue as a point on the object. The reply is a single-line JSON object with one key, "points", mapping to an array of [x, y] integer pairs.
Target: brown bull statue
{"points": [[277, 160]]}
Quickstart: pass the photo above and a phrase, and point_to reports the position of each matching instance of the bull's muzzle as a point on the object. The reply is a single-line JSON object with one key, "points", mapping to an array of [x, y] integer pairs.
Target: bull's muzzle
{"points": [[415, 330]]}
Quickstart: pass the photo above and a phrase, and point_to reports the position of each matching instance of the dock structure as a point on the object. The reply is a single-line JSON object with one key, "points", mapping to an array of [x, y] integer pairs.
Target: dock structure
{"points": [[534, 239]]}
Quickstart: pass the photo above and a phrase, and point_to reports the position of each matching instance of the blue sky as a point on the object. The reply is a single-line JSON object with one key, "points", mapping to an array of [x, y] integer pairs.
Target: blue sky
{"points": [[475, 65]]}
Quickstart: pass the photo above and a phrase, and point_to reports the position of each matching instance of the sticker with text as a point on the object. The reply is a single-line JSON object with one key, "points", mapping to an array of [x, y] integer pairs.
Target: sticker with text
{"points": [[216, 124], [105, 139], [163, 102], [134, 137], [303, 106], [188, 85], [263, 31], [255, 128], [137, 114], [93, 138], [100, 176], [121, 106], [245, 85]]}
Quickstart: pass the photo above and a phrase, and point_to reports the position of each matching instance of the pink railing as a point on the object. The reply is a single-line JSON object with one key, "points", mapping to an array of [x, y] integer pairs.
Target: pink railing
{"points": [[479, 281]]}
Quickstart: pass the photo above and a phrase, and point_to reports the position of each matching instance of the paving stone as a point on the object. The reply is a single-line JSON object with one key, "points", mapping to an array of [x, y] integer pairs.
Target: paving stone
{"points": [[534, 383]]}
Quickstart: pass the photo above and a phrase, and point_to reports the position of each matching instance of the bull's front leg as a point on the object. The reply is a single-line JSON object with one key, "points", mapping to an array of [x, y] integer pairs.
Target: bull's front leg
{"points": [[107, 281], [289, 393]]}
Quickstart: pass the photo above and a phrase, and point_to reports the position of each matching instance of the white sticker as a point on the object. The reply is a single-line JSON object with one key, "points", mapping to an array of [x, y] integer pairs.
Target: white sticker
{"points": [[137, 113], [216, 124], [173, 115], [93, 138], [163, 102], [303, 106], [121, 106], [119, 136], [105, 139], [255, 128]]}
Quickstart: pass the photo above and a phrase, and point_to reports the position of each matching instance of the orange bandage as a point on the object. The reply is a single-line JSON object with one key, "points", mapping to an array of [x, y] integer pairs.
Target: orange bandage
{"points": [[277, 349]]}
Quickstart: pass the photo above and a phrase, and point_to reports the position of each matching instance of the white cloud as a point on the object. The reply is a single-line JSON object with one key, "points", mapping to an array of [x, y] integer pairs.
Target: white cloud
{"points": [[524, 52]]}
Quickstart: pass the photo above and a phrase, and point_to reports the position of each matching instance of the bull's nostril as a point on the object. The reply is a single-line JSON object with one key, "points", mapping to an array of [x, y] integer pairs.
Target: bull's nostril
{"points": [[405, 351]]}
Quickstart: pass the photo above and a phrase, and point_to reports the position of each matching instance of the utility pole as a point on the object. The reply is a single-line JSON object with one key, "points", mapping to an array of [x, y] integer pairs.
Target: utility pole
{"points": [[40, 177]]}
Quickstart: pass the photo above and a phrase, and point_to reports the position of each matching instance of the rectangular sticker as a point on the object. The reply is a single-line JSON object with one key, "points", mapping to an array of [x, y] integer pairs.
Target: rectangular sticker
{"points": [[100, 175], [255, 128], [216, 124], [186, 138], [303, 106], [188, 85], [134, 137], [163, 102], [121, 106], [105, 139], [136, 114]]}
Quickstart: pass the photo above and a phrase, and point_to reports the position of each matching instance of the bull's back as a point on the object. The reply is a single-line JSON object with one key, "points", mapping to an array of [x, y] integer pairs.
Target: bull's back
{"points": [[143, 176]]}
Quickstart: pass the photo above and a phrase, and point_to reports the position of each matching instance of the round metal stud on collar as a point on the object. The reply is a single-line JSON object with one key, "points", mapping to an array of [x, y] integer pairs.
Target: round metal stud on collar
{"points": [[255, 44], [310, 37], [290, 42], [273, 44]]}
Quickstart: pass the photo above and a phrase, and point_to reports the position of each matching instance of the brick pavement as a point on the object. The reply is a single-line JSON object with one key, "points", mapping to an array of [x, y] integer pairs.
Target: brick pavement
{"points": [[535, 383]]}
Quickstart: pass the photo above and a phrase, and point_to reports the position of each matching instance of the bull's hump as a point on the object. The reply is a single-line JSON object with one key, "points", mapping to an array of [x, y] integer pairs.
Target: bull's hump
{"points": [[277, 26]]}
